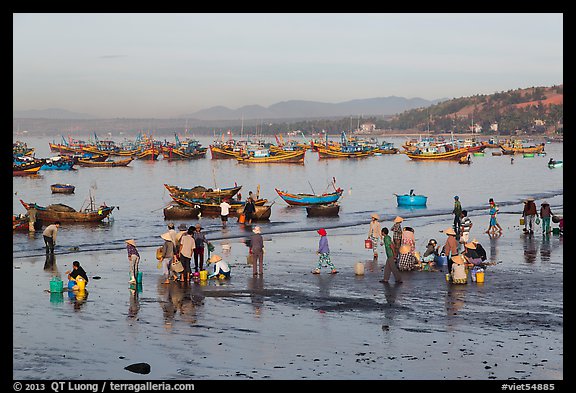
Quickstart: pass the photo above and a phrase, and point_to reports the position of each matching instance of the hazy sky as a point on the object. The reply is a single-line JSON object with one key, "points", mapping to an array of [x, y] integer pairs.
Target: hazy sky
{"points": [[165, 65]]}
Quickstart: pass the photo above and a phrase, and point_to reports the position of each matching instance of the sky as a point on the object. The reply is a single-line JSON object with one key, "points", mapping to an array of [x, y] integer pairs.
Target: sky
{"points": [[166, 65]]}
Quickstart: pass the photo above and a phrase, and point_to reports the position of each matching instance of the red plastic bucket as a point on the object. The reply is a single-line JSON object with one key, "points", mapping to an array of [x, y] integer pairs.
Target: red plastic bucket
{"points": [[368, 243]]}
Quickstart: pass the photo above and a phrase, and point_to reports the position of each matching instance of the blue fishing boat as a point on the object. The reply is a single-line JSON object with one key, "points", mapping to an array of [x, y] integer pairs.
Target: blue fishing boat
{"points": [[309, 199], [58, 163], [411, 199]]}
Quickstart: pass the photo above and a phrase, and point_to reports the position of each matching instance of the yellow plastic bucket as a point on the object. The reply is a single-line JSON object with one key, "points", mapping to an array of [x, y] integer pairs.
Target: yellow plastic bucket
{"points": [[479, 276], [81, 283], [522, 221], [203, 275]]}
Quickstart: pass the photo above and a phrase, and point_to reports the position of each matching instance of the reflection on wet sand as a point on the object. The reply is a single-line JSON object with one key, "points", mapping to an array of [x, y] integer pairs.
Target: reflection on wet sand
{"points": [[50, 264], [454, 301], [180, 300], [255, 287], [530, 247], [493, 246]]}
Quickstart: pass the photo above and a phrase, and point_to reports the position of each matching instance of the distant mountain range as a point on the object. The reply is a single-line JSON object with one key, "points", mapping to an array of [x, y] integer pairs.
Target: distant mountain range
{"points": [[381, 106]]}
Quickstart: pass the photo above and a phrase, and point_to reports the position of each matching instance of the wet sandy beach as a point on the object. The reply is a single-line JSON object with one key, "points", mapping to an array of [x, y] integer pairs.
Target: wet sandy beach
{"points": [[294, 325]]}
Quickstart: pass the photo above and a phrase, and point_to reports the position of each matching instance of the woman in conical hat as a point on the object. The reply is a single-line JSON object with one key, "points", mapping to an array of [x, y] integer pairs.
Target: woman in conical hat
{"points": [[375, 233], [219, 267], [459, 274], [451, 246]]}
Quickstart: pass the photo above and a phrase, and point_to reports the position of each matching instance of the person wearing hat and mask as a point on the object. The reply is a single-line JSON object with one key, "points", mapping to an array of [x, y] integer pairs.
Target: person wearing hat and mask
{"points": [[218, 267], [545, 214], [396, 235], [458, 272], [169, 253], [257, 251], [457, 211], [133, 259], [375, 233], [199, 241], [187, 245], [431, 251], [324, 253], [451, 246], [529, 213], [390, 267], [471, 255]]}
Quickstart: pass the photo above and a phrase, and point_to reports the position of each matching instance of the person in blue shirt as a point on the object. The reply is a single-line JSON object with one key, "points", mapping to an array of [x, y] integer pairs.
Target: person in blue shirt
{"points": [[324, 253]]}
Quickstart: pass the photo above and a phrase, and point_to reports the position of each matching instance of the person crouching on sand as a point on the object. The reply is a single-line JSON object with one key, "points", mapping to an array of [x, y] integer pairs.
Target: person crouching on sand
{"points": [[324, 253]]}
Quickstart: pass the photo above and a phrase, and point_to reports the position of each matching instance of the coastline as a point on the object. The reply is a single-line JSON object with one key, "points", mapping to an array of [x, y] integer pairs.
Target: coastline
{"points": [[292, 324]]}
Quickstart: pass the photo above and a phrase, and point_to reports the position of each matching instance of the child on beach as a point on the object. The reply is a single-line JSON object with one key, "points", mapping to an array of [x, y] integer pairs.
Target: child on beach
{"points": [[323, 253]]}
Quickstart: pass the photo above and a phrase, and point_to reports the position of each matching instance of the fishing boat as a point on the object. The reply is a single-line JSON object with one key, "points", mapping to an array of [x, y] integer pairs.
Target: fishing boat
{"points": [[465, 160], [20, 148], [528, 155], [411, 199], [386, 148], [211, 207], [436, 155], [20, 222], [329, 210], [150, 153], [64, 213], [555, 164], [175, 211], [24, 168], [496, 153], [58, 163], [309, 199], [173, 153], [262, 213], [60, 188], [203, 192], [104, 164], [344, 152], [516, 147], [265, 156]]}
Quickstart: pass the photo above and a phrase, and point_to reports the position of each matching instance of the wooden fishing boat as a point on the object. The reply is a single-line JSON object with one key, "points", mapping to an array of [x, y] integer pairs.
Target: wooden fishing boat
{"points": [[411, 199], [518, 148], [63, 213], [21, 149], [24, 168], [309, 199], [151, 153], [104, 164], [496, 153], [211, 207], [59, 163], [386, 148], [20, 222], [203, 192], [262, 213], [465, 160], [60, 188], [175, 211], [224, 152], [329, 210], [555, 164], [173, 154], [284, 157], [343, 152], [453, 155]]}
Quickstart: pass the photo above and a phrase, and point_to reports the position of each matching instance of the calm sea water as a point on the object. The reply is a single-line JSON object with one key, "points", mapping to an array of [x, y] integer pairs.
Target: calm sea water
{"points": [[370, 186]]}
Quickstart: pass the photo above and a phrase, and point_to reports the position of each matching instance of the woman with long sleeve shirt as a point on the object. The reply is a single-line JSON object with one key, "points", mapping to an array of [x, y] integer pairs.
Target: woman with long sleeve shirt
{"points": [[324, 253]]}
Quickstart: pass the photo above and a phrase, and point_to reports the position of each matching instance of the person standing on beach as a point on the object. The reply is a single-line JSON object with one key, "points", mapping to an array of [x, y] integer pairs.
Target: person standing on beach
{"points": [[257, 251], [457, 211], [49, 235], [173, 234], [545, 215], [169, 253], [390, 266], [249, 209], [465, 227], [396, 235], [529, 213], [224, 211], [187, 245], [324, 253], [133, 259], [493, 226], [199, 240], [375, 233]]}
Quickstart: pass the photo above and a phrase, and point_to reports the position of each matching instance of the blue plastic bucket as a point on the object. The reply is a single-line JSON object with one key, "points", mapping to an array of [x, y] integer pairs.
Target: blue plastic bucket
{"points": [[441, 260]]}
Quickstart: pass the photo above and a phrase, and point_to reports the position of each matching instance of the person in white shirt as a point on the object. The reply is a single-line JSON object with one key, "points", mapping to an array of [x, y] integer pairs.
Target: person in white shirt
{"points": [[218, 267], [224, 211], [187, 244]]}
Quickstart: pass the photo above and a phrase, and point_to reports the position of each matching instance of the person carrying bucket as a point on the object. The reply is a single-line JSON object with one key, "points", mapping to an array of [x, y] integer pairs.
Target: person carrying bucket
{"points": [[375, 233], [78, 273], [133, 259]]}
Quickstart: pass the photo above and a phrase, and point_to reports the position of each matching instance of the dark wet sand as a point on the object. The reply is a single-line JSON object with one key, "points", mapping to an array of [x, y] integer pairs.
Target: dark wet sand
{"points": [[294, 325]]}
